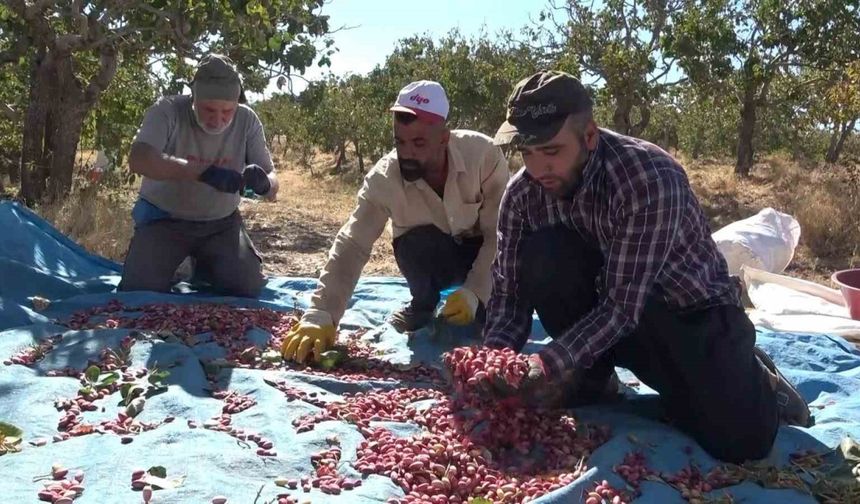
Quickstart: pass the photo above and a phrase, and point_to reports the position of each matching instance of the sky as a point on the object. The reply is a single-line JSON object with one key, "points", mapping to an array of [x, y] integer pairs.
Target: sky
{"points": [[375, 26]]}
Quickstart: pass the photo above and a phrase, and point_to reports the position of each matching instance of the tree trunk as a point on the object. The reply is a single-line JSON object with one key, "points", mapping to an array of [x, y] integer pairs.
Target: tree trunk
{"points": [[621, 115], [52, 128], [360, 157], [69, 111], [834, 139], [637, 129], [698, 141], [746, 131], [33, 167], [340, 157], [837, 140]]}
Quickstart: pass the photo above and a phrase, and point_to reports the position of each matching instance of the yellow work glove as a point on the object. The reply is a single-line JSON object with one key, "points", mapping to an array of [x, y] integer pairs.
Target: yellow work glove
{"points": [[315, 333], [460, 307]]}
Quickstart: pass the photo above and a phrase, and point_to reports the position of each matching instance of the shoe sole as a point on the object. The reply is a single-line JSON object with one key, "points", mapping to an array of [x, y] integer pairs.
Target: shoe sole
{"points": [[783, 398]]}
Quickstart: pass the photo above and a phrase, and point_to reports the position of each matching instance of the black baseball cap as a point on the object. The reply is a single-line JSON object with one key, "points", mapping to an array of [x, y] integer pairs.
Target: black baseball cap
{"points": [[539, 105]]}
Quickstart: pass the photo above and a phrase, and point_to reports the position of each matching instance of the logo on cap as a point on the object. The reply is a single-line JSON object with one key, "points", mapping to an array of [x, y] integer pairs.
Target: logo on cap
{"points": [[534, 111], [417, 98]]}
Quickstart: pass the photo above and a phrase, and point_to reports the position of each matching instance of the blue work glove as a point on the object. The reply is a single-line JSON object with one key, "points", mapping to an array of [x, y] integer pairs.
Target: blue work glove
{"points": [[256, 179], [222, 179]]}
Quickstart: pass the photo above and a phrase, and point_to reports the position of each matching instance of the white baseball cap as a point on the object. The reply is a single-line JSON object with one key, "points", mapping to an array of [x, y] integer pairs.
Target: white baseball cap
{"points": [[425, 99]]}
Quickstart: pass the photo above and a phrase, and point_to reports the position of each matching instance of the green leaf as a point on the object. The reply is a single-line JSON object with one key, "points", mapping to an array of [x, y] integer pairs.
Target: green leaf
{"points": [[331, 358], [125, 389], [158, 471], [87, 390], [480, 500], [10, 431], [133, 392], [92, 374], [158, 376], [272, 356], [108, 379]]}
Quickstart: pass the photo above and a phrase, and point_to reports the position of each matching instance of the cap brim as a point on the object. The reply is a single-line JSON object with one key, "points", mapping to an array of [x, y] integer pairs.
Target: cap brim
{"points": [[506, 134], [420, 114], [533, 134]]}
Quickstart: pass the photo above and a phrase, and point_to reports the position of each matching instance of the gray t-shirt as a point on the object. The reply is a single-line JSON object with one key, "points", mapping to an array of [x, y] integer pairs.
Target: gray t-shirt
{"points": [[170, 127]]}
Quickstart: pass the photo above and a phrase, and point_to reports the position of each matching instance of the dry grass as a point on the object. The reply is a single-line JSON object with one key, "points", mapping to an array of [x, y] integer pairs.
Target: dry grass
{"points": [[97, 217], [824, 199], [294, 234]]}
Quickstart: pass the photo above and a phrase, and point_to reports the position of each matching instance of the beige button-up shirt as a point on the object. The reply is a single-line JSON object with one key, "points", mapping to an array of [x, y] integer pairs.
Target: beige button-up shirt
{"points": [[477, 176]]}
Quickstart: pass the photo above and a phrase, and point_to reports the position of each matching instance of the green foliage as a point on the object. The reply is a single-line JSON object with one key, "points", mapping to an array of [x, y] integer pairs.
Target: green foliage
{"points": [[72, 52], [755, 50], [617, 42], [112, 124], [351, 112]]}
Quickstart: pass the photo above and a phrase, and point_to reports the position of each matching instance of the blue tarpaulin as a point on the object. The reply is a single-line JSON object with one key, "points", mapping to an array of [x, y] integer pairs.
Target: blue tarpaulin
{"points": [[37, 260]]}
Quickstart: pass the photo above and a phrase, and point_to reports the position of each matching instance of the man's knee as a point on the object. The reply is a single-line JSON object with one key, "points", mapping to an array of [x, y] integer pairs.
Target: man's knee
{"points": [[418, 240], [245, 281], [251, 289], [136, 281], [737, 442]]}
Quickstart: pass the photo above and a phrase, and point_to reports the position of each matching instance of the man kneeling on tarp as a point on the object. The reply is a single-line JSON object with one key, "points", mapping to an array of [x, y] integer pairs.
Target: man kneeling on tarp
{"points": [[601, 234], [196, 154], [441, 191]]}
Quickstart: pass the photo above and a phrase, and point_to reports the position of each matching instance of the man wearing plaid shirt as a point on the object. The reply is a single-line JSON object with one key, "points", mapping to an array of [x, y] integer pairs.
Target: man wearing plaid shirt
{"points": [[602, 235]]}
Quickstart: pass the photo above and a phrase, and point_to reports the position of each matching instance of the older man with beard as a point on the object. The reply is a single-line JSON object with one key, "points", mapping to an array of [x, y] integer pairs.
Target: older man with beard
{"points": [[196, 153]]}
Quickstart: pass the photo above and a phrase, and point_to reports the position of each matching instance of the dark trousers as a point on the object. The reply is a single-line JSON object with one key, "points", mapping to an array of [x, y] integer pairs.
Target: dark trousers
{"points": [[700, 362], [226, 257], [432, 261]]}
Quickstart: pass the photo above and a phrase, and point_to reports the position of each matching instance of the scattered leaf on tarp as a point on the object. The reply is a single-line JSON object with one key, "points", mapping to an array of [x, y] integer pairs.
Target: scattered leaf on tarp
{"points": [[92, 374], [9, 430], [331, 358], [159, 471], [10, 438]]}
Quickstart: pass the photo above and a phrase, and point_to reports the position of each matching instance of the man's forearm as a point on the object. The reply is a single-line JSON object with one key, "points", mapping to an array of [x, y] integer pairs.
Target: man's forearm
{"points": [[147, 161]]}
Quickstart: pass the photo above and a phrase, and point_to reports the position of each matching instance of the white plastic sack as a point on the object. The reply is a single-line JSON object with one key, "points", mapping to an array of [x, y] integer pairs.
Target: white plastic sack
{"points": [[765, 241]]}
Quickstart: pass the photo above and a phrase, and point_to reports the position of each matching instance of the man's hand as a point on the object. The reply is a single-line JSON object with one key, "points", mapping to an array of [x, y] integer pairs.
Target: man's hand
{"points": [[256, 179], [460, 307], [536, 390], [539, 390], [222, 179], [315, 334]]}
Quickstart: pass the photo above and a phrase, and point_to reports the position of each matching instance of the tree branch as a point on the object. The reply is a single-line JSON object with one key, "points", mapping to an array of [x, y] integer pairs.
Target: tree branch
{"points": [[107, 69], [682, 80], [664, 72]]}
